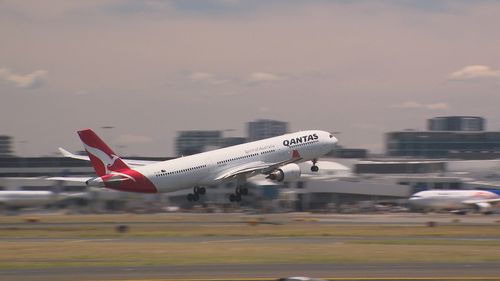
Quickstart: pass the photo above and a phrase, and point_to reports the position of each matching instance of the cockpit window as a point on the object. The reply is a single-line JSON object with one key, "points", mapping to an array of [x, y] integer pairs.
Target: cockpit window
{"points": [[331, 136]]}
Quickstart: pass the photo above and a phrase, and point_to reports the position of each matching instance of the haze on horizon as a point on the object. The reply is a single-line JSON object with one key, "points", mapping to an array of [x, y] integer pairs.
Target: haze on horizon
{"points": [[152, 68]]}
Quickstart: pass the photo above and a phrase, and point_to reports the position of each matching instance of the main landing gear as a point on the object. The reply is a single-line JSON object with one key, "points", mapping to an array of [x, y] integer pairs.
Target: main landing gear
{"points": [[238, 193], [314, 168], [197, 191]]}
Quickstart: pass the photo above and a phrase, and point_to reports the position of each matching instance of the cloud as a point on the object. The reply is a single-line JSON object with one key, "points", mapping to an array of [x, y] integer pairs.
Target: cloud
{"points": [[437, 106], [474, 73], [32, 80], [264, 77], [417, 105], [205, 77], [250, 79]]}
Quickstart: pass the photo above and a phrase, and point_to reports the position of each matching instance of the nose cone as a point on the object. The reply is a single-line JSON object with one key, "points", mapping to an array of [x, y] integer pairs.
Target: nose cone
{"points": [[417, 203], [333, 140]]}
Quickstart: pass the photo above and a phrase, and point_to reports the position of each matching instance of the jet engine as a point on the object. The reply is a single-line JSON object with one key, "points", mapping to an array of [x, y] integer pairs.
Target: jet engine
{"points": [[289, 172], [484, 208]]}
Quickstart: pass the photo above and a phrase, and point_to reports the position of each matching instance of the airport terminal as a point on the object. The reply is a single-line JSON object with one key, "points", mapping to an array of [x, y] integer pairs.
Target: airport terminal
{"points": [[349, 180]]}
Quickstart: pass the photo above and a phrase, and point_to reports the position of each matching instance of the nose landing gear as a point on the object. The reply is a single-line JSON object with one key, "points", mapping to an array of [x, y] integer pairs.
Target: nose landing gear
{"points": [[314, 168]]}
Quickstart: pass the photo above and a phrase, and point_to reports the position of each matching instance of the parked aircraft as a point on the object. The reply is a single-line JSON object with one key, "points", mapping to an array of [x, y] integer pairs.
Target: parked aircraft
{"points": [[458, 201], [19, 199], [276, 157]]}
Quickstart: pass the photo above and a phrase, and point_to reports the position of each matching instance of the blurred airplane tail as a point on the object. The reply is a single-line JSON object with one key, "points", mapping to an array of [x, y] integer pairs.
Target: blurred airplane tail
{"points": [[103, 158]]}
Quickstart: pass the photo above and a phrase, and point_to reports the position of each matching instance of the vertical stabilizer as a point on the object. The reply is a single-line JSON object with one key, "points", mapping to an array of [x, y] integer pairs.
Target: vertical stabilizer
{"points": [[103, 158]]}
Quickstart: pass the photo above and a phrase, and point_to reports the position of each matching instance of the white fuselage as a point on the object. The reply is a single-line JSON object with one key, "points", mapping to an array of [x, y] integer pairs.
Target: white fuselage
{"points": [[22, 199], [205, 168], [448, 199]]}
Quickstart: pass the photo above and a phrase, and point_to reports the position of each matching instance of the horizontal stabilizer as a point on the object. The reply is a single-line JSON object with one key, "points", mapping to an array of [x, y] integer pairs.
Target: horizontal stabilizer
{"points": [[72, 179], [68, 154], [130, 162]]}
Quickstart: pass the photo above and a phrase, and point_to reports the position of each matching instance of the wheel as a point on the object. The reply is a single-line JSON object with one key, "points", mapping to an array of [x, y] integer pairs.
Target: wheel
{"points": [[238, 197], [196, 190], [196, 197], [202, 190], [190, 197], [314, 168]]}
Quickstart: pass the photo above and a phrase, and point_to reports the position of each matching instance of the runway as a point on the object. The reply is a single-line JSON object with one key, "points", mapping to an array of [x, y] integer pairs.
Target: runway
{"points": [[178, 232], [401, 271], [259, 240]]}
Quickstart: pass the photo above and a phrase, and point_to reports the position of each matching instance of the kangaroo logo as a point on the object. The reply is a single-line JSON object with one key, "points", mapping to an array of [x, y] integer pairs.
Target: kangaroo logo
{"points": [[107, 160]]}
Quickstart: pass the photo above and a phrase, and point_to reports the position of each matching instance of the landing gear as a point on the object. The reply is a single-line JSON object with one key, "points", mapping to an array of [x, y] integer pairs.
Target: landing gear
{"points": [[193, 197], [314, 168], [238, 193], [242, 190], [235, 197], [197, 191]]}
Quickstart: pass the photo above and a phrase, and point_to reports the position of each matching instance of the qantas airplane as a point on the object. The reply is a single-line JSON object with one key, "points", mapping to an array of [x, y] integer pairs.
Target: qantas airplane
{"points": [[275, 157], [454, 200]]}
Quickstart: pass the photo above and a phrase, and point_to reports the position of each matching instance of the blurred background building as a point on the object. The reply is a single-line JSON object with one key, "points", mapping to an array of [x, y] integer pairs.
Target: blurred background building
{"points": [[456, 123], [196, 141], [458, 137], [265, 128], [5, 146], [192, 142]]}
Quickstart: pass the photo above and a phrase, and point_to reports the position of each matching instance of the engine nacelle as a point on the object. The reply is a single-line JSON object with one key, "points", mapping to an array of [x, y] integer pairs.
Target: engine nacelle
{"points": [[289, 172], [484, 207]]}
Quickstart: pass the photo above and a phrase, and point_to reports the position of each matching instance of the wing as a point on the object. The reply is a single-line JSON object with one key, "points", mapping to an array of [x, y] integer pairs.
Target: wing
{"points": [[130, 162], [258, 167]]}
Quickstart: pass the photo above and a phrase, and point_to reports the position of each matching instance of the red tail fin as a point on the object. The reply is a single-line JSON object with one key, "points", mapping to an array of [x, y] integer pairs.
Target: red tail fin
{"points": [[103, 159]]}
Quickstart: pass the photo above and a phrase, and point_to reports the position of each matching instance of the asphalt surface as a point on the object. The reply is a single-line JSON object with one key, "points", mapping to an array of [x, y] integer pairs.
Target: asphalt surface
{"points": [[238, 218], [259, 240], [395, 271], [234, 272]]}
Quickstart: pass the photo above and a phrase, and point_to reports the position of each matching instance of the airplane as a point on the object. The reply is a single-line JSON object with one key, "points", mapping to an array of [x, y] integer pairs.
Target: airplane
{"points": [[457, 201], [16, 199], [275, 157], [19, 199]]}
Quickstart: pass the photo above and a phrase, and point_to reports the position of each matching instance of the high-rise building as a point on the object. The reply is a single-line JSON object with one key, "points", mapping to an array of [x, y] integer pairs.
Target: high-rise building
{"points": [[192, 142], [5, 146], [448, 137], [265, 128], [456, 123]]}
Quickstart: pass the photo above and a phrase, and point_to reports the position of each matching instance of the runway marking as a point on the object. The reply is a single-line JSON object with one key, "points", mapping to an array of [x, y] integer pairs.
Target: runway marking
{"points": [[89, 240], [241, 240], [330, 279]]}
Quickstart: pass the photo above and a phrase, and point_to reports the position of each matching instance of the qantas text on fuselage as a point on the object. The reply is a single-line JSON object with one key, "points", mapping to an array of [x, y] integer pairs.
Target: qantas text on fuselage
{"points": [[299, 140]]}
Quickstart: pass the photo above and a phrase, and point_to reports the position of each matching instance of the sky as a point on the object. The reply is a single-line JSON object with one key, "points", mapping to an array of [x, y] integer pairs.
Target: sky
{"points": [[152, 68]]}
